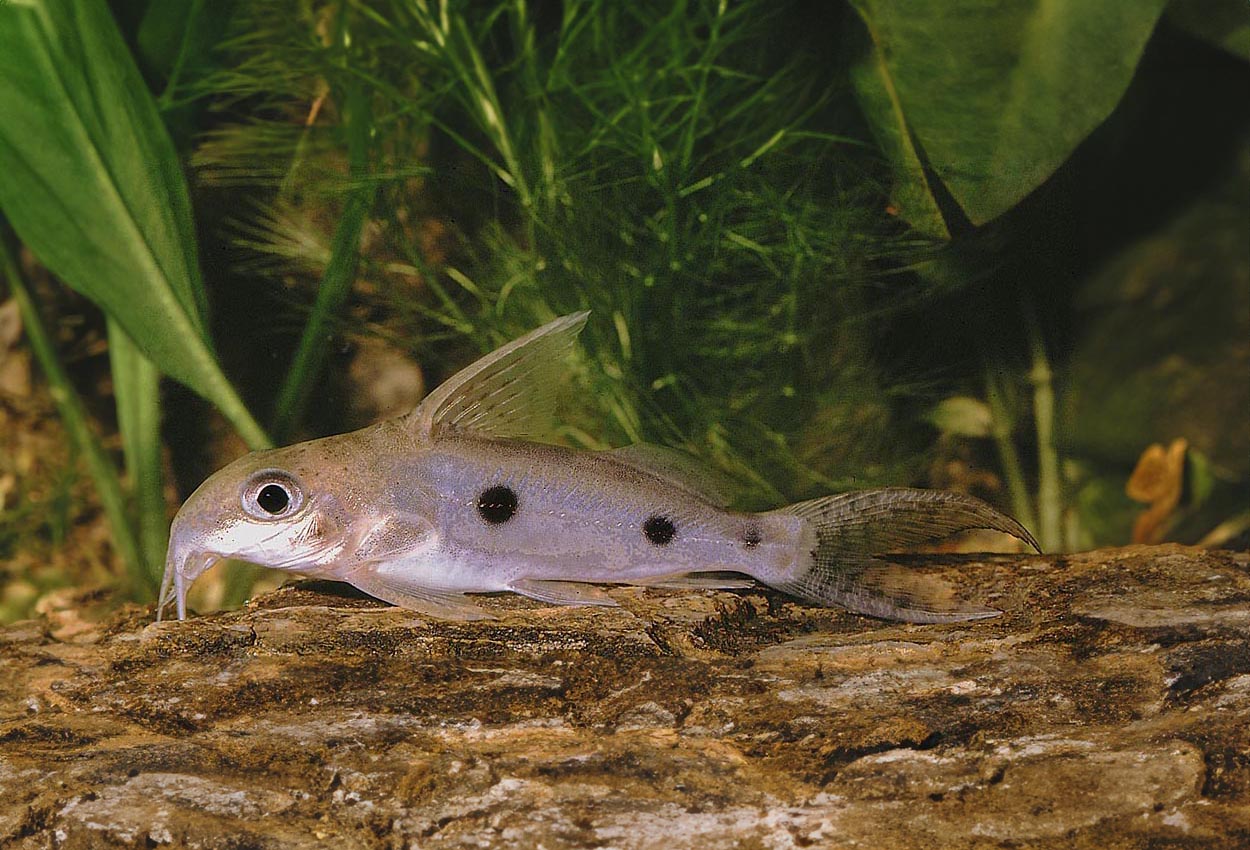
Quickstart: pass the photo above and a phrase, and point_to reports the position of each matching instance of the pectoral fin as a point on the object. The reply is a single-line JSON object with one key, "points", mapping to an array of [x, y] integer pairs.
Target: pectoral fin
{"points": [[390, 585], [392, 537], [562, 592]]}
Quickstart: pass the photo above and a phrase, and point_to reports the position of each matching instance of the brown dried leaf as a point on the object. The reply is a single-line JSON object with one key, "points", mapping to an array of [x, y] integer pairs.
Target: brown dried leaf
{"points": [[1158, 480]]}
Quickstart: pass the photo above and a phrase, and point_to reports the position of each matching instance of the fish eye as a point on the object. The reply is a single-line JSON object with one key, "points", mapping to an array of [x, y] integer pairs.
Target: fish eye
{"points": [[272, 494], [273, 498]]}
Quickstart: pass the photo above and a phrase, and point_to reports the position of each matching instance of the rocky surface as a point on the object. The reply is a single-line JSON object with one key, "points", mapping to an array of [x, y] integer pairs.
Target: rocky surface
{"points": [[1109, 707]]}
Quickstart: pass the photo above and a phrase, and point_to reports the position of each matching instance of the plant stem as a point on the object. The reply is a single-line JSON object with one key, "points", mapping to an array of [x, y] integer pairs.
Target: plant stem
{"points": [[166, 99], [1049, 496], [335, 285], [1001, 427], [74, 417]]}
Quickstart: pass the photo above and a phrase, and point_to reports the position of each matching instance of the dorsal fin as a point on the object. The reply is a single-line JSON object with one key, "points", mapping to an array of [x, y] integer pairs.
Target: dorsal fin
{"points": [[681, 470], [510, 392]]}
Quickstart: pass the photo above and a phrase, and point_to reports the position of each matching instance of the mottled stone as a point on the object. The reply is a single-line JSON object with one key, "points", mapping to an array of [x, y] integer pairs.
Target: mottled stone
{"points": [[1108, 707]]}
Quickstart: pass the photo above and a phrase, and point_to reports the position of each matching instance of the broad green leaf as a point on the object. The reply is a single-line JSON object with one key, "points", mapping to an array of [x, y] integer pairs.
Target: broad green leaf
{"points": [[91, 184], [911, 196], [992, 97]]}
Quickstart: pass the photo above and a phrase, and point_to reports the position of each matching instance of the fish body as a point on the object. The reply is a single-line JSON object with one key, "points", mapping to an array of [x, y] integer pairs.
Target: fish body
{"points": [[582, 517], [451, 500]]}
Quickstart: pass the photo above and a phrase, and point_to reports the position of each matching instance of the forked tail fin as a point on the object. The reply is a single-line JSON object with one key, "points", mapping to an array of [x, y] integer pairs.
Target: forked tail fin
{"points": [[848, 530]]}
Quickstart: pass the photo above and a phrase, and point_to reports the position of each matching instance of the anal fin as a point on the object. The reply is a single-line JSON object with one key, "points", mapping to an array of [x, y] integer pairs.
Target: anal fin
{"points": [[441, 603], [709, 580], [562, 592]]}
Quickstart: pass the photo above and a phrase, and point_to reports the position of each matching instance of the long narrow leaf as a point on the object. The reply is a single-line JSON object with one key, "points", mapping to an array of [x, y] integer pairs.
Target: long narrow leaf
{"points": [[136, 386], [92, 185]]}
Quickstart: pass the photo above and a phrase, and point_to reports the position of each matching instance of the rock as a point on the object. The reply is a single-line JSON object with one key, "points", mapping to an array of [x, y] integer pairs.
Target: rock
{"points": [[1108, 707]]}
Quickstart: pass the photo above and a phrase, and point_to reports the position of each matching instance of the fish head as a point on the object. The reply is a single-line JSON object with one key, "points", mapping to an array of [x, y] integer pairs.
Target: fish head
{"points": [[302, 508]]}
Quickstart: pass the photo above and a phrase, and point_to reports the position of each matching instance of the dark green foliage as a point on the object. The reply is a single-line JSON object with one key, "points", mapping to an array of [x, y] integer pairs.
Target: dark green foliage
{"points": [[678, 169]]}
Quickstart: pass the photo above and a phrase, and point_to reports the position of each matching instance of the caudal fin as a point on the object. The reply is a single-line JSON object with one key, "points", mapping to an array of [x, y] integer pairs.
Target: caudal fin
{"points": [[848, 530]]}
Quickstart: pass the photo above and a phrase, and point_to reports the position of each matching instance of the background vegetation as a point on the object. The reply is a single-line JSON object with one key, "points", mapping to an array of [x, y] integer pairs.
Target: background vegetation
{"points": [[994, 247]]}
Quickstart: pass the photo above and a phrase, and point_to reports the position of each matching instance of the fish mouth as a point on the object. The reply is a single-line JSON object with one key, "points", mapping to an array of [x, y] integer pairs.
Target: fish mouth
{"points": [[181, 570]]}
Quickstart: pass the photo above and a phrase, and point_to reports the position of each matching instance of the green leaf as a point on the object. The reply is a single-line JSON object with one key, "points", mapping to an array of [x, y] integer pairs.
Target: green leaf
{"points": [[911, 196], [992, 97], [92, 185], [136, 387], [1201, 479]]}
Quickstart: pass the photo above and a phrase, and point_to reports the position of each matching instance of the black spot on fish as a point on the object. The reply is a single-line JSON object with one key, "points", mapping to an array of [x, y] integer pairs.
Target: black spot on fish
{"points": [[659, 529], [752, 536], [497, 504]]}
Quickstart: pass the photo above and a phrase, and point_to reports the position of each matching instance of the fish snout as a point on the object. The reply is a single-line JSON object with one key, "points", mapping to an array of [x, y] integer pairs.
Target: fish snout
{"points": [[185, 561]]}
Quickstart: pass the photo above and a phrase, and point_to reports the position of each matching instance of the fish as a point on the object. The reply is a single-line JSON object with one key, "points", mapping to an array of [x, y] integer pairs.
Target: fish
{"points": [[460, 497]]}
